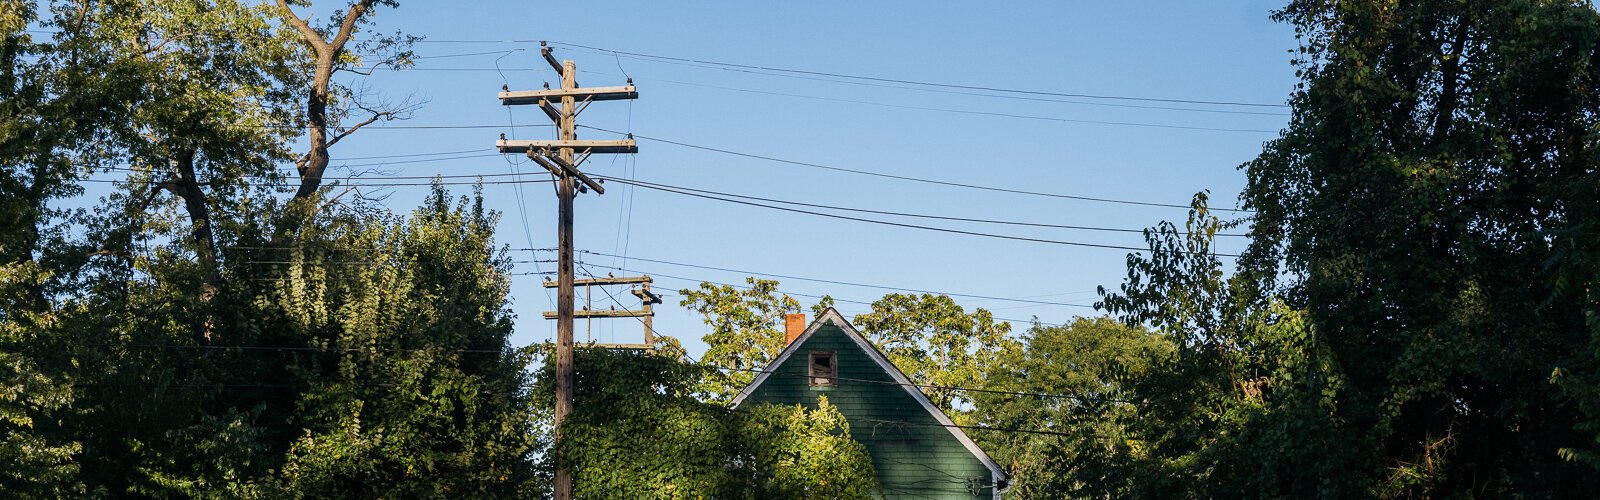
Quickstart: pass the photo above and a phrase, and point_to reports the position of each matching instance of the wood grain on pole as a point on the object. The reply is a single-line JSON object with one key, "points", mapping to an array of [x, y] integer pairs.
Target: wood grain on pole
{"points": [[564, 298], [563, 164]]}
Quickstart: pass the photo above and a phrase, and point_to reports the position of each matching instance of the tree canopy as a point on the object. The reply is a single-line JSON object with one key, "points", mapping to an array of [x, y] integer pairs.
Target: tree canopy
{"points": [[1416, 314]]}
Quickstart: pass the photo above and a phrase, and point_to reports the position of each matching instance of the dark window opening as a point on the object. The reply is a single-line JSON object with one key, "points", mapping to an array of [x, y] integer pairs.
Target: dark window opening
{"points": [[823, 369]]}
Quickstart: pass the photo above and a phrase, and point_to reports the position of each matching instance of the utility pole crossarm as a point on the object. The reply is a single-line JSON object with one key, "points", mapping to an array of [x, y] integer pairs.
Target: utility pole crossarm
{"points": [[635, 347], [625, 280], [594, 146], [582, 94], [601, 313]]}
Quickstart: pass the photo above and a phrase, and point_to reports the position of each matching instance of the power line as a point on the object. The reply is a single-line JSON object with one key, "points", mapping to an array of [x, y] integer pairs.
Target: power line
{"points": [[962, 111], [846, 283], [1023, 98], [830, 297], [905, 178], [903, 214], [920, 83], [374, 164], [439, 153], [959, 426], [360, 176], [475, 41], [940, 387], [918, 386], [387, 127], [470, 54], [349, 184], [647, 184], [713, 268], [916, 226], [735, 201], [294, 348]]}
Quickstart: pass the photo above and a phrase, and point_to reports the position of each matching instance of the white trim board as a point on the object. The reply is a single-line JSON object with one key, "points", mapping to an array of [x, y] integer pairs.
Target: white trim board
{"points": [[832, 316]]}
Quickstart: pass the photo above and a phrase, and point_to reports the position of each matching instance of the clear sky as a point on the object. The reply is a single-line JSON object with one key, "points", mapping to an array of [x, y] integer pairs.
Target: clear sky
{"points": [[1209, 51]]}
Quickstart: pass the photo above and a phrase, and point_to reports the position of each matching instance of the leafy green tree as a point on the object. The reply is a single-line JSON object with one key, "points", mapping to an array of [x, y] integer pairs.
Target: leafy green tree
{"points": [[937, 344], [1244, 405], [1430, 209], [747, 330], [801, 453], [1076, 380], [39, 459], [217, 343], [418, 392]]}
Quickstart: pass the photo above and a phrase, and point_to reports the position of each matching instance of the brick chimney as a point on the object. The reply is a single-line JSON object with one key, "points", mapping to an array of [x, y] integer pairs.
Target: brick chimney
{"points": [[793, 326]]}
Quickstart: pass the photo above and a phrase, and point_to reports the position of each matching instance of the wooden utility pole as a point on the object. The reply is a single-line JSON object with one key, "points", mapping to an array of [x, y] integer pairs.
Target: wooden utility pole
{"points": [[562, 158]]}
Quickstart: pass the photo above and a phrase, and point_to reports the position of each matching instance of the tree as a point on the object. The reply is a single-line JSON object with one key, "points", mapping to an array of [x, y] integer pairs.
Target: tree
{"points": [[39, 460], [1431, 209], [937, 344], [747, 330], [1246, 403], [1077, 380], [419, 392], [328, 102], [197, 346]]}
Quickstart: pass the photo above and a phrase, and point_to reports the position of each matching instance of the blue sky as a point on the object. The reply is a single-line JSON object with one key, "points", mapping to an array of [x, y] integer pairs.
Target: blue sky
{"points": [[1213, 51]]}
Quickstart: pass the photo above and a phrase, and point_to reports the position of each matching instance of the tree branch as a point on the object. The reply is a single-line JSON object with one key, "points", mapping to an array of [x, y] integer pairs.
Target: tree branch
{"points": [[376, 115], [349, 25], [310, 35]]}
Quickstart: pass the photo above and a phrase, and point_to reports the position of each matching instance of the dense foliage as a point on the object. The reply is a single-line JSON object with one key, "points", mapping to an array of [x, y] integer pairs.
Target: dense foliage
{"points": [[1416, 314], [1433, 206], [640, 431], [193, 335]]}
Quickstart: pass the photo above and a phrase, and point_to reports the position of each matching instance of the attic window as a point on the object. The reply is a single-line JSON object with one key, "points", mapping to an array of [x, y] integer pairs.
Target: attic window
{"points": [[824, 368]]}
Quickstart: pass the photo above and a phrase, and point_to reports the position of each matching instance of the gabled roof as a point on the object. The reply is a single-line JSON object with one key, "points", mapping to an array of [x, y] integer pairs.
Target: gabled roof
{"points": [[832, 316]]}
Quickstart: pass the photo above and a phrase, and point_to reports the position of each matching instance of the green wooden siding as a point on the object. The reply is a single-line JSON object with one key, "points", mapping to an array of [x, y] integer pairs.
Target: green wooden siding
{"points": [[917, 459]]}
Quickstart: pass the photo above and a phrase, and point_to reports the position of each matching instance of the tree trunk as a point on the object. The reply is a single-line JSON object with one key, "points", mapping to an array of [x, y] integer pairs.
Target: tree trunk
{"points": [[187, 187]]}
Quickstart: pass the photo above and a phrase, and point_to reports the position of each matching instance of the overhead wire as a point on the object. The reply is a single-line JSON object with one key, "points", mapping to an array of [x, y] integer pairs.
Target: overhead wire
{"points": [[836, 282], [582, 266], [1035, 320], [941, 387], [900, 214], [903, 177], [921, 227], [516, 170], [350, 184], [636, 55], [1023, 98], [959, 111], [735, 201], [631, 182]]}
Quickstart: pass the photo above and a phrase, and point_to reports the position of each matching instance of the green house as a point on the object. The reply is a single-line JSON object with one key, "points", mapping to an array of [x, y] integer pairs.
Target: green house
{"points": [[917, 451]]}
